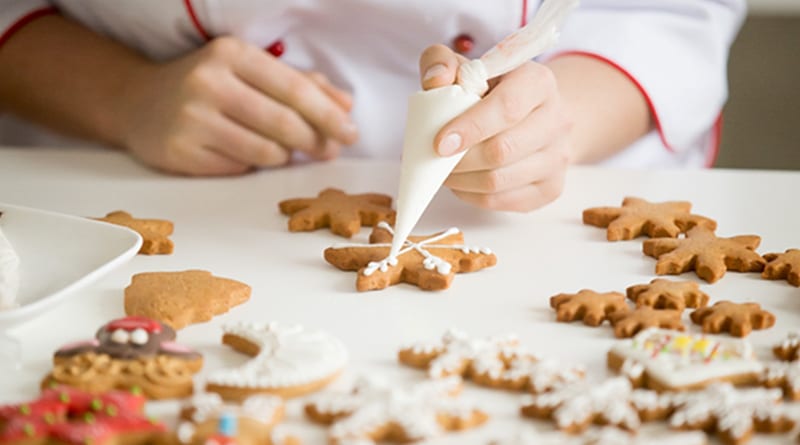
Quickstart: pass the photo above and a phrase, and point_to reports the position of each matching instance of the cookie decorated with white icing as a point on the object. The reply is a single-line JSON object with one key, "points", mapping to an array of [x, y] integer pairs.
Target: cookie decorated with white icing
{"points": [[789, 348], [287, 360], [663, 359], [9, 272], [606, 436], [783, 375]]}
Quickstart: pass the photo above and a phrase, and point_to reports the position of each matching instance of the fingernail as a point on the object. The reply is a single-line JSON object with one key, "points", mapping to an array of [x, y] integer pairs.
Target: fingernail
{"points": [[434, 71], [449, 144]]}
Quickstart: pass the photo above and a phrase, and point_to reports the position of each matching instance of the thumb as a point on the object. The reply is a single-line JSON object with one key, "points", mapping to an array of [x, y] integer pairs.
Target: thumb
{"points": [[438, 66]]}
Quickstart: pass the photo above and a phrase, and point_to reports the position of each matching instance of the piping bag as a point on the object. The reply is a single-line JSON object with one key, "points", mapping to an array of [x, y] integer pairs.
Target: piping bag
{"points": [[422, 170]]}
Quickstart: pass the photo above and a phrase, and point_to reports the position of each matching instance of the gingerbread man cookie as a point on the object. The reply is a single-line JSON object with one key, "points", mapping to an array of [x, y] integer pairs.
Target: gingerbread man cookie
{"points": [[789, 348], [783, 266], [667, 294], [705, 253], [494, 362], [428, 262], [375, 411], [638, 217], [133, 353], [182, 298], [587, 305], [738, 319], [628, 324], [343, 213], [155, 232], [70, 416], [288, 361]]}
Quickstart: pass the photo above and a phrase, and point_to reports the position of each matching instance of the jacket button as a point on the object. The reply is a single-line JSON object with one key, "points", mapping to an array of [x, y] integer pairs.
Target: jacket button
{"points": [[463, 43], [277, 48]]}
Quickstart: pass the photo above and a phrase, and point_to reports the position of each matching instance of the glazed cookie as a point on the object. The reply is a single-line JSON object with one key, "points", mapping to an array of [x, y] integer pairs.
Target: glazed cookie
{"points": [[375, 412], [587, 305], [343, 213], [783, 266], [607, 436], [494, 362], [667, 294], [132, 353], [70, 416], [638, 217], [207, 420], [783, 375], [429, 262], [155, 232], [288, 361], [182, 298], [789, 348], [663, 360], [628, 324], [738, 319], [705, 253]]}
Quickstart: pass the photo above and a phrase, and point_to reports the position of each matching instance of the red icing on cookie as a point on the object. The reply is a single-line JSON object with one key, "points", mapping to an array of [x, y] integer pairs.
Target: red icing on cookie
{"points": [[99, 430], [130, 323]]}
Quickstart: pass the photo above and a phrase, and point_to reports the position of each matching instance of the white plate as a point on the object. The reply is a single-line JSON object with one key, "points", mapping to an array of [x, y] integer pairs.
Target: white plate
{"points": [[59, 254]]}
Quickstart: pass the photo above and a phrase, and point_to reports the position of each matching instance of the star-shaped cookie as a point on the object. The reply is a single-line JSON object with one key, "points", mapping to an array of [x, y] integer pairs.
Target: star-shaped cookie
{"points": [[666, 294], [705, 253], [343, 213], [638, 217], [628, 324], [429, 262], [783, 266], [738, 319], [587, 305], [154, 232]]}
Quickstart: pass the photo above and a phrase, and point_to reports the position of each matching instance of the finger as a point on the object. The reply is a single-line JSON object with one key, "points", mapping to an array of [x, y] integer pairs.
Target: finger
{"points": [[523, 199], [519, 92], [438, 66], [343, 98], [204, 161], [244, 145], [296, 91]]}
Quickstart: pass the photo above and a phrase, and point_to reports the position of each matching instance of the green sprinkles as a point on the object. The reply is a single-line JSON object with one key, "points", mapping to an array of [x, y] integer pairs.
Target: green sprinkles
{"points": [[29, 429], [25, 409]]}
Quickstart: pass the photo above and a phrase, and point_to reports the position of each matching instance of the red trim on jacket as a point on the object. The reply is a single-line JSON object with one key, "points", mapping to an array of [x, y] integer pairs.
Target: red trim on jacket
{"points": [[716, 141], [524, 20], [24, 20], [195, 21]]}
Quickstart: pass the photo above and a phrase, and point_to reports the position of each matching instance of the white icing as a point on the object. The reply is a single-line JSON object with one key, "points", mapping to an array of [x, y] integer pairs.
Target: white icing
{"points": [[185, 432], [785, 373], [701, 358], [139, 336], [9, 274], [288, 356], [120, 336], [259, 407]]}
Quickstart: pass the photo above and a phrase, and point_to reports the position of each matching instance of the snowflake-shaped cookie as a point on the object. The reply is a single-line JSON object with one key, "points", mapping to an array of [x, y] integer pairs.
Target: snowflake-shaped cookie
{"points": [[639, 217], [429, 262], [667, 294], [375, 411], [738, 319], [155, 232], [705, 253], [606, 436], [343, 213], [784, 375], [783, 266], [495, 362], [587, 305], [789, 348], [628, 324]]}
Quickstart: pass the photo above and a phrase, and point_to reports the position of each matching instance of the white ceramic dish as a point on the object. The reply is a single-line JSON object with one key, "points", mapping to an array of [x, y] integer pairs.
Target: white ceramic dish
{"points": [[59, 254]]}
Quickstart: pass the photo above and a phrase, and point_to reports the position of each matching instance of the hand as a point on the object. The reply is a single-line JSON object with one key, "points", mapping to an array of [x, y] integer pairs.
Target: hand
{"points": [[230, 107], [517, 136]]}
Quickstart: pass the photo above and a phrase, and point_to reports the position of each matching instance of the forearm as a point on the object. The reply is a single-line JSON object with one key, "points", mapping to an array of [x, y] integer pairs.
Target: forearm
{"points": [[607, 110], [66, 77]]}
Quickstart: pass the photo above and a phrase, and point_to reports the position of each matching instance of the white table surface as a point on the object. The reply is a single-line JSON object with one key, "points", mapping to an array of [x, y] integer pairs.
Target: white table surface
{"points": [[232, 227]]}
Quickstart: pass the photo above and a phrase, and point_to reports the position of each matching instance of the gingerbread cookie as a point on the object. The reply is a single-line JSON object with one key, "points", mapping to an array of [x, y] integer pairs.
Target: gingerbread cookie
{"points": [[343, 213], [375, 412], [783, 375], [738, 319], [182, 298], [783, 266], [638, 217], [494, 362], [705, 253], [133, 353], [666, 294], [429, 262], [155, 232], [628, 324], [606, 436], [587, 305], [789, 348], [70, 416], [662, 359], [207, 420], [288, 361]]}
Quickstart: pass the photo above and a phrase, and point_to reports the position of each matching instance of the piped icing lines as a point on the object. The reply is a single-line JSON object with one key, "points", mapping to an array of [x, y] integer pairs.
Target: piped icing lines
{"points": [[789, 348], [784, 375], [375, 411], [663, 359], [498, 362], [429, 262], [288, 360]]}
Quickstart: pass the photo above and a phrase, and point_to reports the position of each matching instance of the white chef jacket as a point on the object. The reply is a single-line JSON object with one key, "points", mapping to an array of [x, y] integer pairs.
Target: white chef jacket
{"points": [[675, 51]]}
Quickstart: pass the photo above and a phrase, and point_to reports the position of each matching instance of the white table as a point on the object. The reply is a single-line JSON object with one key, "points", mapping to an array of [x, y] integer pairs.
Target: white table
{"points": [[232, 227]]}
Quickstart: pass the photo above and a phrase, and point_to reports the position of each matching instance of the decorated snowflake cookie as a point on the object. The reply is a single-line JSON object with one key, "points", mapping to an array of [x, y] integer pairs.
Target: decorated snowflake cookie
{"points": [[375, 411], [789, 348], [496, 362], [671, 360], [429, 262], [784, 375], [288, 361], [606, 436]]}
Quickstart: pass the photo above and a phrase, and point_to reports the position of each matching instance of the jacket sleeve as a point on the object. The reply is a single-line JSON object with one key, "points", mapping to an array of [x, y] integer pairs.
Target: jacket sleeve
{"points": [[675, 52], [15, 14]]}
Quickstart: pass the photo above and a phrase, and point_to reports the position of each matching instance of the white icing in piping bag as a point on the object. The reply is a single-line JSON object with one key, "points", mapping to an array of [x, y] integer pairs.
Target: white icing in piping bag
{"points": [[422, 170]]}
